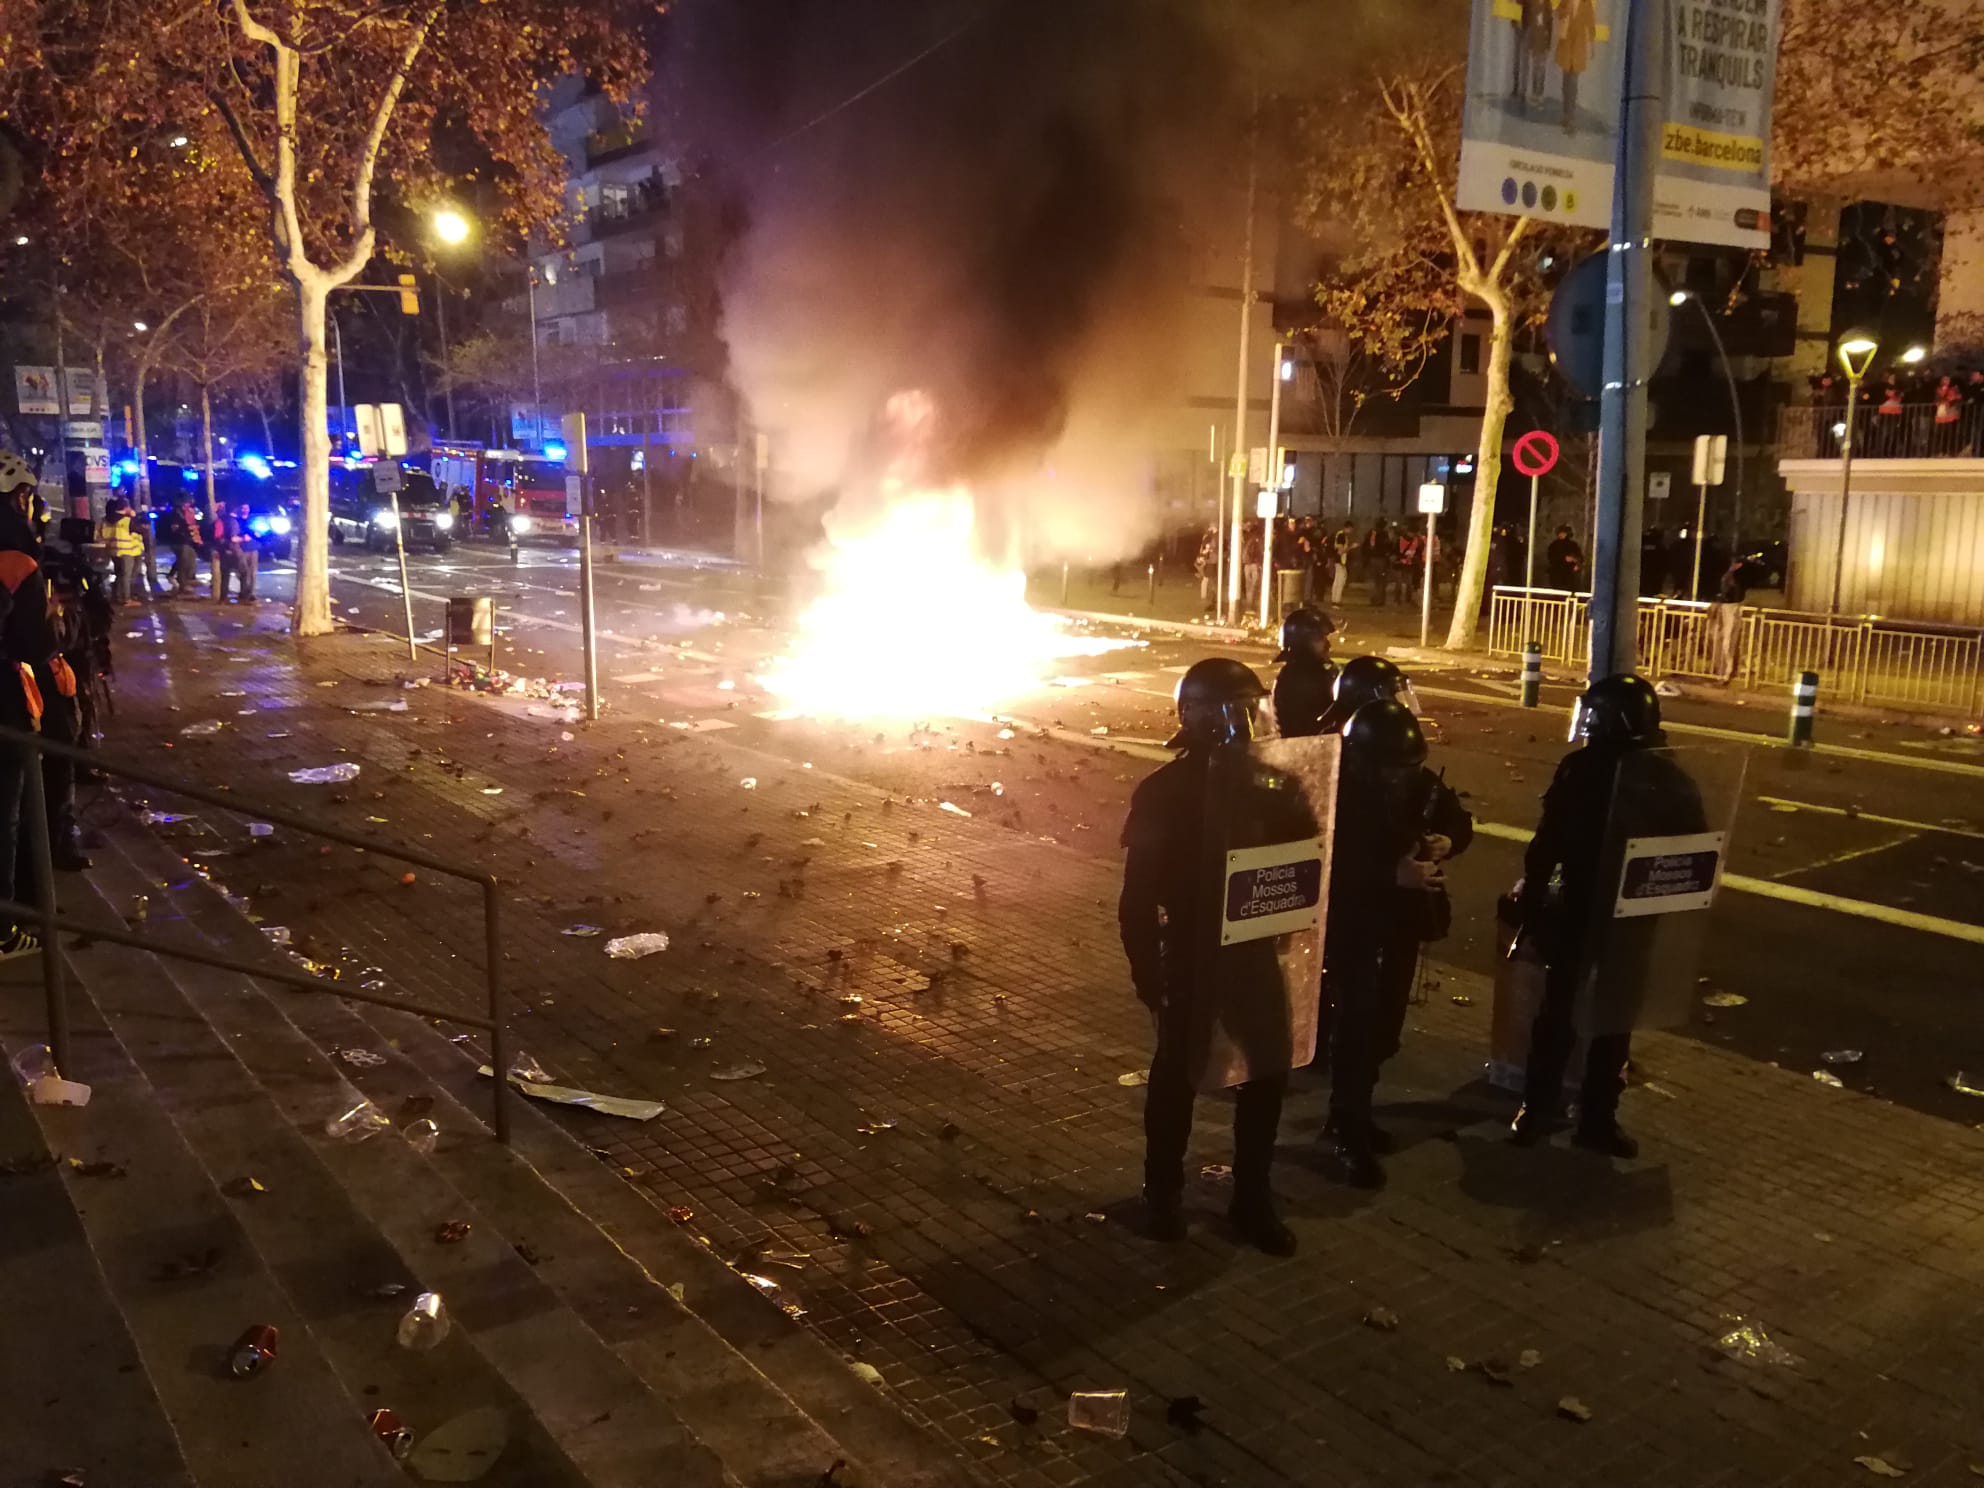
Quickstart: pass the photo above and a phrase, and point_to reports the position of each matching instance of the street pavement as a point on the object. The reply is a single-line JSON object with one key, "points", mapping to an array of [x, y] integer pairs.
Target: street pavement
{"points": [[940, 1146]]}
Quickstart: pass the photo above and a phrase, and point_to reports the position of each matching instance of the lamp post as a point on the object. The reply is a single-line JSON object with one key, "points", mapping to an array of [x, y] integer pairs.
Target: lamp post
{"points": [[1677, 299], [452, 229], [536, 384], [1856, 354]]}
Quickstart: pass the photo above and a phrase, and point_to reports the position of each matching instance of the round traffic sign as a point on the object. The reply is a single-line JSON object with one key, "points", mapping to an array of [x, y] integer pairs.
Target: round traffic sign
{"points": [[1535, 453]]}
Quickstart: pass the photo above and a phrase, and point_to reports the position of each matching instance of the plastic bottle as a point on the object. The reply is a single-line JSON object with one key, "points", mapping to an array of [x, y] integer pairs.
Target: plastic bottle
{"points": [[361, 1121], [1106, 1412], [425, 1324]]}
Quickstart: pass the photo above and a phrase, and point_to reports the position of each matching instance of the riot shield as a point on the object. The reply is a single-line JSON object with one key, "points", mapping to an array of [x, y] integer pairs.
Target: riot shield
{"points": [[1665, 850], [1270, 812]]}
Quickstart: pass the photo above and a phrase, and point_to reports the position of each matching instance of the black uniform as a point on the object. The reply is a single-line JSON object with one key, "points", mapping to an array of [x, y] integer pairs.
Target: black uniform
{"points": [[1569, 845], [1414, 914], [1303, 691], [1169, 917], [1376, 825]]}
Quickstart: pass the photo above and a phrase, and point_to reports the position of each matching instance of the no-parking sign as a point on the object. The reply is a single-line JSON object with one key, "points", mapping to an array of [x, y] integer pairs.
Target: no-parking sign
{"points": [[1535, 453]]}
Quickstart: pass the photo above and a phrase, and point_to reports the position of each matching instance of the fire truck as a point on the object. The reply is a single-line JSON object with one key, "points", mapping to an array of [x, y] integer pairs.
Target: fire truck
{"points": [[517, 493]]}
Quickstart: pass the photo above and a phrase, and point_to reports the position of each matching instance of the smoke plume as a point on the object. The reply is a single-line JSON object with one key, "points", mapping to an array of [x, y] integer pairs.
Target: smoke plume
{"points": [[1005, 224]]}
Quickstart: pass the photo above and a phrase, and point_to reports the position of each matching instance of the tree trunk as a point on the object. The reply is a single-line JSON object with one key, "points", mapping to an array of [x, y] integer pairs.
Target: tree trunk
{"points": [[207, 450], [1487, 475], [312, 615]]}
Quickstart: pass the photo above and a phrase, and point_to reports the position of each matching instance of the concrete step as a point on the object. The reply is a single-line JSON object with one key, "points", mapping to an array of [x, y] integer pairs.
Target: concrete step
{"points": [[340, 1220], [773, 1400], [187, 1279], [73, 1391]]}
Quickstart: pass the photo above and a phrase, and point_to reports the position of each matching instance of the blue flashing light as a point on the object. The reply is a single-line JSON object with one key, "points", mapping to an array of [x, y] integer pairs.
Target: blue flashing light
{"points": [[259, 526], [554, 452], [256, 466], [188, 474]]}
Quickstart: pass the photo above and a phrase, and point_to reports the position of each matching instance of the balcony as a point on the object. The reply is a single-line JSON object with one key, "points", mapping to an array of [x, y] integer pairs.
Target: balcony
{"points": [[617, 141], [644, 203], [1920, 430], [573, 294]]}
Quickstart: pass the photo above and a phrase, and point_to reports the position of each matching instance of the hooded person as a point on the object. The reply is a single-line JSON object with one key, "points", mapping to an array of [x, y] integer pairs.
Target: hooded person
{"points": [[1168, 914]]}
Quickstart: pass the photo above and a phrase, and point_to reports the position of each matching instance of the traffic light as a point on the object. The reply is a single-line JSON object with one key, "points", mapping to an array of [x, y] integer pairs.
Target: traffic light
{"points": [[409, 295]]}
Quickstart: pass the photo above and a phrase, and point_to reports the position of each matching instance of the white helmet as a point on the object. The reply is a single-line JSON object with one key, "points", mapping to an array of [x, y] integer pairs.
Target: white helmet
{"points": [[15, 472]]}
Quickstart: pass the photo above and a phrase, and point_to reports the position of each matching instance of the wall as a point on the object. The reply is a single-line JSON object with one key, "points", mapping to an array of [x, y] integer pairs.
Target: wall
{"points": [[1914, 539]]}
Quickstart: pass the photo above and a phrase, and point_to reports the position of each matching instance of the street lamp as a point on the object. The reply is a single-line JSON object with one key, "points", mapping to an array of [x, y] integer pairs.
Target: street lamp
{"points": [[1856, 355], [1914, 354], [139, 326], [1677, 299], [21, 241], [452, 229]]}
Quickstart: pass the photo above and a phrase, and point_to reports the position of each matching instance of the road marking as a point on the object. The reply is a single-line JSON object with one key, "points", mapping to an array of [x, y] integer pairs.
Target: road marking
{"points": [[1740, 736], [1833, 860], [1742, 883], [1868, 816]]}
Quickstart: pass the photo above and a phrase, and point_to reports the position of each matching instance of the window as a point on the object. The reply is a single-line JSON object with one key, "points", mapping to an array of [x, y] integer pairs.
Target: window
{"points": [[1470, 355]]}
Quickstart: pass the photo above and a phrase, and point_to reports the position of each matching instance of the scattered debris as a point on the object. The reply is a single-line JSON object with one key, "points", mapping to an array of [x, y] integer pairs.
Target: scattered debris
{"points": [[776, 1294], [1134, 1077], [422, 1136], [206, 728], [1827, 1077], [461, 1450], [99, 1169], [1966, 1084], [1456, 1364], [1842, 1056], [750, 1069], [426, 1322], [749, 782], [868, 1374], [1383, 1319], [581, 932], [1880, 1467], [253, 1351], [338, 774], [1217, 1172], [1573, 1409], [1495, 1371], [633, 947], [244, 1187], [1724, 1000], [1461, 999], [355, 1125], [953, 808], [1105, 1412], [565, 1095], [451, 1232], [1667, 689], [866, 1129], [394, 1434], [1528, 1359], [397, 705], [361, 1058], [1748, 1341], [523, 1067]]}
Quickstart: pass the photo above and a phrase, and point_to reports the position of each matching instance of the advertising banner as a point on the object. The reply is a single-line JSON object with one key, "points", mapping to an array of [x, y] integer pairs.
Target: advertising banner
{"points": [[34, 390], [82, 391], [1541, 117]]}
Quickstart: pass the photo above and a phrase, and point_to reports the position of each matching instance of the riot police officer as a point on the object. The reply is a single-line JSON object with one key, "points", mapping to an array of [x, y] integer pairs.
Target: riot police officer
{"points": [[1168, 914], [1559, 903], [1367, 679], [1380, 866], [1306, 684]]}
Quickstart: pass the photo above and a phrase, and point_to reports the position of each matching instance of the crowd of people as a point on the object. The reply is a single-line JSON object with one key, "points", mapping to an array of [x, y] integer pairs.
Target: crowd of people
{"points": [[1387, 561], [1908, 413], [1396, 823], [134, 530]]}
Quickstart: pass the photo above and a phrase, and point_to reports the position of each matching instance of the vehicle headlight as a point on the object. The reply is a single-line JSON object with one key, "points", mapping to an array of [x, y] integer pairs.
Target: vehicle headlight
{"points": [[444, 520], [279, 525], [384, 518], [520, 525], [259, 526]]}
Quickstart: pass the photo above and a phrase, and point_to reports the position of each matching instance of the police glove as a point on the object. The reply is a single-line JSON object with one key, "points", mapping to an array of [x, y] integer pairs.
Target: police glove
{"points": [[1417, 873]]}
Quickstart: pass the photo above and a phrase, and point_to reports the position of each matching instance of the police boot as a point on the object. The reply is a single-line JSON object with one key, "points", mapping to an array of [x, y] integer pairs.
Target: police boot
{"points": [[1376, 1137], [1164, 1216], [1603, 1135], [1356, 1153], [1255, 1221]]}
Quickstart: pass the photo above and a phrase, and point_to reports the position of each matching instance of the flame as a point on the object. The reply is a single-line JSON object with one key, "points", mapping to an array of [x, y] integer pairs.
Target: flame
{"points": [[914, 622]]}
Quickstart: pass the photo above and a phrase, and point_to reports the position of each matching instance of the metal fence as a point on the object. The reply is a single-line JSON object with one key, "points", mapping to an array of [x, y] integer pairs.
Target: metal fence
{"points": [[44, 914], [1920, 431], [1859, 660]]}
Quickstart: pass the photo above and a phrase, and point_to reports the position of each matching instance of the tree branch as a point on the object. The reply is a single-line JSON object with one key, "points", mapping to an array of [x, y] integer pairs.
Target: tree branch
{"points": [[375, 139]]}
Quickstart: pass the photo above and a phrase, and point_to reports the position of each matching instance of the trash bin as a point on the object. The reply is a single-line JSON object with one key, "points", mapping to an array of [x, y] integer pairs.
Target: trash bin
{"points": [[1287, 589], [1518, 993], [469, 621]]}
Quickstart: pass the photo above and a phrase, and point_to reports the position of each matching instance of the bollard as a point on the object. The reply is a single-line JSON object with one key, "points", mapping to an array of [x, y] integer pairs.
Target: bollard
{"points": [[1150, 593], [1804, 703], [1532, 673], [1064, 586]]}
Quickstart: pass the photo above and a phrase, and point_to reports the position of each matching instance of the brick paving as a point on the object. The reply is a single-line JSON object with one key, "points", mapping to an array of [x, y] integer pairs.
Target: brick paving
{"points": [[938, 1149]]}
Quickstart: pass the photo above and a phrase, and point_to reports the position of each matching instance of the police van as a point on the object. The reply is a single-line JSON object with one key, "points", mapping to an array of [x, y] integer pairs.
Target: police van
{"points": [[362, 513]]}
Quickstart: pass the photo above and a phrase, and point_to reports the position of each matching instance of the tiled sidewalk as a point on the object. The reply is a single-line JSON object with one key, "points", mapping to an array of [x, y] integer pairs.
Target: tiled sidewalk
{"points": [[937, 1151]]}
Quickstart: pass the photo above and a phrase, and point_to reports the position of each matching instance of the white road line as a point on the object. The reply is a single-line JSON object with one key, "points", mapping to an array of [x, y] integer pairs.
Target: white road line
{"points": [[1708, 731], [1833, 860], [1742, 883], [1868, 816]]}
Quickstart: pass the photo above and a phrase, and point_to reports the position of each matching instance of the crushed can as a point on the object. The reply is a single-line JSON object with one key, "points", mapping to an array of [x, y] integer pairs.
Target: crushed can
{"points": [[253, 1351], [393, 1433]]}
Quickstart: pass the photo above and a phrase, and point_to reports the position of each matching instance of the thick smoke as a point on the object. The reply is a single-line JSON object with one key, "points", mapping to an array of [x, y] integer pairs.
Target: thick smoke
{"points": [[1005, 226]]}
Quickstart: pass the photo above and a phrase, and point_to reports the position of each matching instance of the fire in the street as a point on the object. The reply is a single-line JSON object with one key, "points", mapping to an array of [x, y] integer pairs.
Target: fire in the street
{"points": [[914, 622]]}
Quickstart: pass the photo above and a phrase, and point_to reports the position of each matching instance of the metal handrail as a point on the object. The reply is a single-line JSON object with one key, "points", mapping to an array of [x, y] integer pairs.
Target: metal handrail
{"points": [[45, 913]]}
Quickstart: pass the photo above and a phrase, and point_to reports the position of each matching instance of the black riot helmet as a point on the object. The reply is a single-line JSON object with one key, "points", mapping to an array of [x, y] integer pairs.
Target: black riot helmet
{"points": [[1367, 679], [1217, 699], [1301, 628], [1621, 709], [1383, 735]]}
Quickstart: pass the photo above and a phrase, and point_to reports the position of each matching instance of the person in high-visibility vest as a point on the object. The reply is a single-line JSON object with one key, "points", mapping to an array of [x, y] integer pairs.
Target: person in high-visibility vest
{"points": [[126, 548]]}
